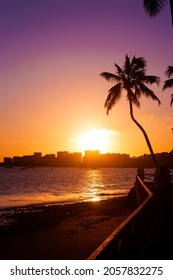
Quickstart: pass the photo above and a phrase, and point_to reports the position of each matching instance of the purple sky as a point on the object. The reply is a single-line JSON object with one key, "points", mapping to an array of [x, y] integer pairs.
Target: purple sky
{"points": [[51, 55]]}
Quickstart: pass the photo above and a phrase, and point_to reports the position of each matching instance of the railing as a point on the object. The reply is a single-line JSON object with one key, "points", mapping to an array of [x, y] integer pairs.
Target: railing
{"points": [[149, 177], [132, 239]]}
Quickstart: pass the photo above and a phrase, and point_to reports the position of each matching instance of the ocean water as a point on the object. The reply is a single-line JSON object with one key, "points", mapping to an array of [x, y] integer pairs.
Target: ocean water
{"points": [[22, 187]]}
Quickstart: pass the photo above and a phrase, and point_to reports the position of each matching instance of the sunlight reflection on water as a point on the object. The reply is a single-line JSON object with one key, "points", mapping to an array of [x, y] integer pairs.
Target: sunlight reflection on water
{"points": [[44, 185]]}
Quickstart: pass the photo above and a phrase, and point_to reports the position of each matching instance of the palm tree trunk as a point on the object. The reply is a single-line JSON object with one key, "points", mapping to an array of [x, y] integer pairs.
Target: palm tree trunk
{"points": [[144, 133]]}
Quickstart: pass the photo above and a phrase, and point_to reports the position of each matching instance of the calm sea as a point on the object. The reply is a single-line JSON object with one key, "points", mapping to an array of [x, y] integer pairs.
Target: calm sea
{"points": [[21, 187]]}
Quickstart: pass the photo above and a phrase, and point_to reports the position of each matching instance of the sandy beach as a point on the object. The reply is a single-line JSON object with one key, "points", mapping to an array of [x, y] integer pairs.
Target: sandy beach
{"points": [[59, 232]]}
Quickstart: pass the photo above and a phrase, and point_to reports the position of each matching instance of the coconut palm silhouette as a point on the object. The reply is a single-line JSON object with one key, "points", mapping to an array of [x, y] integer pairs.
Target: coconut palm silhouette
{"points": [[153, 7], [132, 79], [169, 83]]}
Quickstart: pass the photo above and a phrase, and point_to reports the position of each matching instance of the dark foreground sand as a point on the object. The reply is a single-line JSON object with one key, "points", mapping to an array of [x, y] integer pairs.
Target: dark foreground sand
{"points": [[55, 232]]}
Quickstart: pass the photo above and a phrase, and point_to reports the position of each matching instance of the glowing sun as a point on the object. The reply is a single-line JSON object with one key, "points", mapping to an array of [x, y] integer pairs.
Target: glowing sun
{"points": [[96, 139]]}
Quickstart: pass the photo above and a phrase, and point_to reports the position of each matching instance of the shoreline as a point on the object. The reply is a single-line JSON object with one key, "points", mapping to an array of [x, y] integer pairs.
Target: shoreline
{"points": [[25, 200], [60, 232]]}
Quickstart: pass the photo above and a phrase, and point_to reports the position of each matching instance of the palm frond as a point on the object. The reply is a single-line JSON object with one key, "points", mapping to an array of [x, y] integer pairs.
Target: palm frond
{"points": [[131, 77], [171, 100], [168, 84], [153, 7], [169, 71], [137, 91], [138, 65], [110, 77], [171, 5], [134, 98], [119, 71], [137, 74], [148, 92], [113, 97], [127, 65], [151, 79], [139, 62]]}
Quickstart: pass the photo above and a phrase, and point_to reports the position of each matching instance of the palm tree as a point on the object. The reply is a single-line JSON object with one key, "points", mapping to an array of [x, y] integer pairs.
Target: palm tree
{"points": [[153, 7], [169, 83], [133, 79]]}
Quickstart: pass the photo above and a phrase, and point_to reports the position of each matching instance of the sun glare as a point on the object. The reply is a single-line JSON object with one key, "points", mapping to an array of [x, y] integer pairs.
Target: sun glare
{"points": [[96, 139]]}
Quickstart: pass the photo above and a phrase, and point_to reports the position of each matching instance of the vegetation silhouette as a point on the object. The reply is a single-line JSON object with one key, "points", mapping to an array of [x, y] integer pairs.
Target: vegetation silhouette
{"points": [[133, 79], [153, 7], [169, 83]]}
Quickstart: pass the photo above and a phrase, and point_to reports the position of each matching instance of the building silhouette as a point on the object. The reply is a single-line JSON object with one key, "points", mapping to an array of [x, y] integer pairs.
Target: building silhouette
{"points": [[91, 159]]}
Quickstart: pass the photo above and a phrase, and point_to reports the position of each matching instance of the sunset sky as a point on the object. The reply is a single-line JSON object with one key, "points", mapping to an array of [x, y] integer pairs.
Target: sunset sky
{"points": [[51, 95]]}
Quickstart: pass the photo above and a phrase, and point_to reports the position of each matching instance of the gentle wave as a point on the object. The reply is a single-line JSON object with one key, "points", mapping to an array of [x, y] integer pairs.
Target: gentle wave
{"points": [[20, 187]]}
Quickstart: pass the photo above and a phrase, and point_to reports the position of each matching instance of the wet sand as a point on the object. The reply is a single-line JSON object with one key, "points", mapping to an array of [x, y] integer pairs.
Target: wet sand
{"points": [[60, 232]]}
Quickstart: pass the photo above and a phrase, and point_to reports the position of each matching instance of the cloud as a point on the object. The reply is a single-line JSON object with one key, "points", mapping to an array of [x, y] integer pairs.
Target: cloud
{"points": [[111, 132], [98, 131], [73, 140], [147, 118]]}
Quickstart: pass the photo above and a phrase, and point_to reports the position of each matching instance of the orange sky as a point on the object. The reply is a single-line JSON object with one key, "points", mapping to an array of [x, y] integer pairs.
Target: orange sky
{"points": [[50, 89]]}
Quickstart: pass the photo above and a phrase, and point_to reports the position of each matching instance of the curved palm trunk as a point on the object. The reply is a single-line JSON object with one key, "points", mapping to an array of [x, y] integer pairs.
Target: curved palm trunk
{"points": [[144, 133]]}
